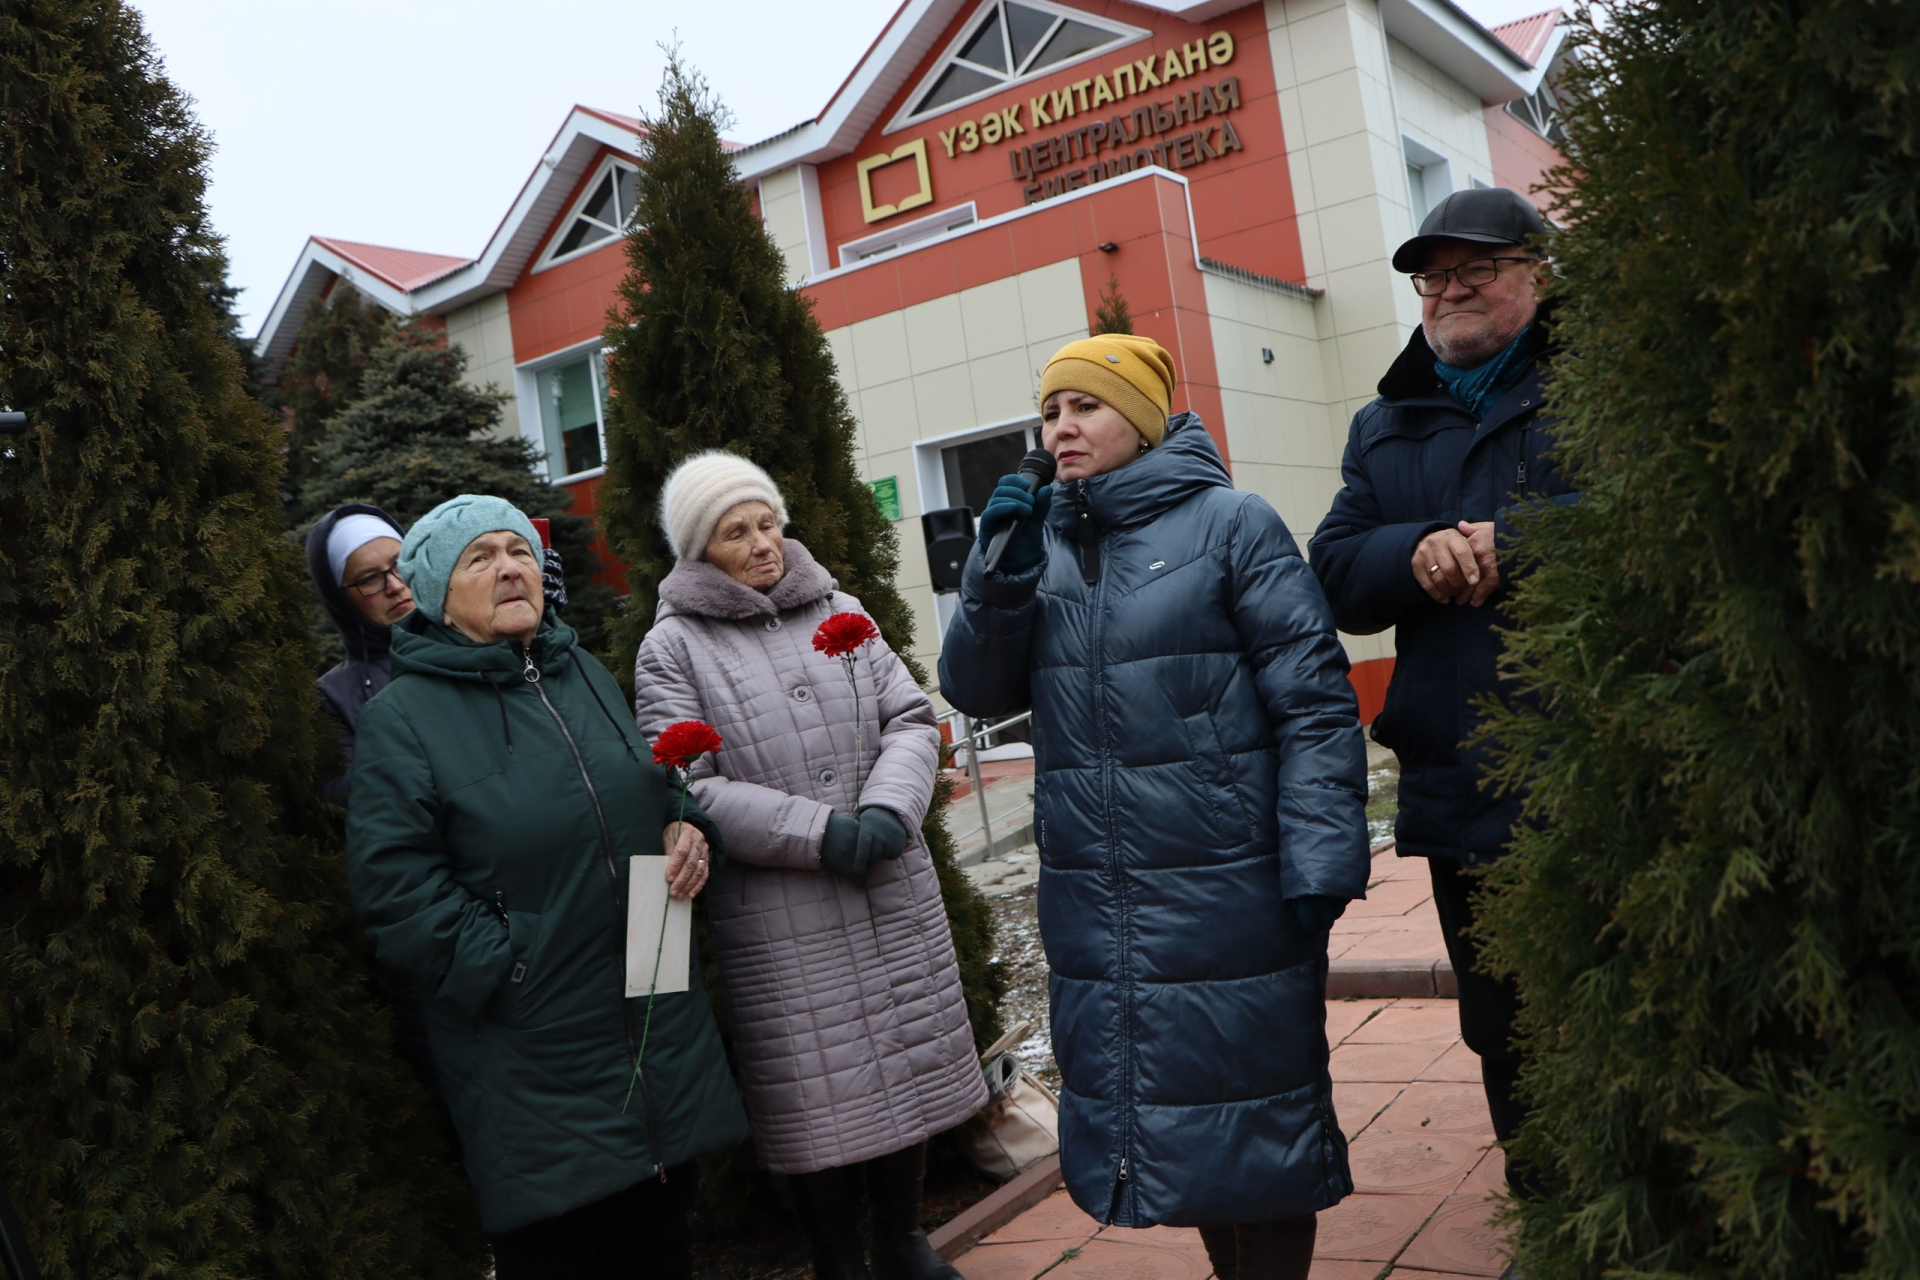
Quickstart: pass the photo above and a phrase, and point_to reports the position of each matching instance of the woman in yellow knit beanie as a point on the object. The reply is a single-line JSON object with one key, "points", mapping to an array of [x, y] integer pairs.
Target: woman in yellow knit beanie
{"points": [[1104, 402], [1199, 805]]}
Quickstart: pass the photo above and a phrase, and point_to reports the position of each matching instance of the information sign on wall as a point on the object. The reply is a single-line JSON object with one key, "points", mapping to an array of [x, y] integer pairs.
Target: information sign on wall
{"points": [[886, 492]]}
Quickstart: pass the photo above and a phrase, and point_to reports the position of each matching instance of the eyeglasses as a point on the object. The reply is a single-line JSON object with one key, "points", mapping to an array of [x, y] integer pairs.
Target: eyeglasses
{"points": [[1472, 275], [374, 581]]}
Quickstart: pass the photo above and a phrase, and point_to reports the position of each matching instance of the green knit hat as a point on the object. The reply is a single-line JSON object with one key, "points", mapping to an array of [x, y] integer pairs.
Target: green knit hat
{"points": [[434, 544]]}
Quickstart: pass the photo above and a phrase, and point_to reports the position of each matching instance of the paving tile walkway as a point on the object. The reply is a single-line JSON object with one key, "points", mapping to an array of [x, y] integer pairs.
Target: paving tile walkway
{"points": [[1396, 920], [1407, 1092]]}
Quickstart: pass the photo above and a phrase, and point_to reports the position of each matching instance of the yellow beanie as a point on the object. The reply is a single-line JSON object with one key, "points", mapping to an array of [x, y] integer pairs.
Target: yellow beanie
{"points": [[1133, 374]]}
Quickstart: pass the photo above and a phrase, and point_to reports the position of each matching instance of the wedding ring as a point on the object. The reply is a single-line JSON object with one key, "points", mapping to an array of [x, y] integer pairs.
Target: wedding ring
{"points": [[1433, 568]]}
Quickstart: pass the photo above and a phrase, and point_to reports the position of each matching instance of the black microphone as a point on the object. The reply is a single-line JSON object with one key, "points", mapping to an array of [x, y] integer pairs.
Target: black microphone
{"points": [[1037, 470]]}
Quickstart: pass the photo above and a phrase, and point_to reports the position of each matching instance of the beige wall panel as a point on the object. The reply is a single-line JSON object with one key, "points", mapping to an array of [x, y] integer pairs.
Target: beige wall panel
{"points": [[880, 350], [936, 334], [1442, 113], [485, 333], [888, 418], [783, 209], [991, 317]]}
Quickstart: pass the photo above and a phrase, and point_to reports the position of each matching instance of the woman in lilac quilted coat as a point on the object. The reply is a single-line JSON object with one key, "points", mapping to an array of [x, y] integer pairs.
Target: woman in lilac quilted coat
{"points": [[842, 990]]}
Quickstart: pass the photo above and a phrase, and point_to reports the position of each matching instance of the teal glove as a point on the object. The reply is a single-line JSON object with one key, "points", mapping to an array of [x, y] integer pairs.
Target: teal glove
{"points": [[882, 835], [843, 852], [1316, 912], [1010, 502]]}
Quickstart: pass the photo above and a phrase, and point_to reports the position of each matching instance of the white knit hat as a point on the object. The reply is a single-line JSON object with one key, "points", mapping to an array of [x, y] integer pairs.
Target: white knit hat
{"points": [[704, 488]]}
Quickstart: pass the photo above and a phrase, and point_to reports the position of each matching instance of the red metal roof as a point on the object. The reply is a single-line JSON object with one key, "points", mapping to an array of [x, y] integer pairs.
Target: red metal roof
{"points": [[404, 269], [611, 117], [1528, 36]]}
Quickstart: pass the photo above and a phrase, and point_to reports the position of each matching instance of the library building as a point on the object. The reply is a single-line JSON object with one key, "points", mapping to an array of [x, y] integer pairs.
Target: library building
{"points": [[1239, 171]]}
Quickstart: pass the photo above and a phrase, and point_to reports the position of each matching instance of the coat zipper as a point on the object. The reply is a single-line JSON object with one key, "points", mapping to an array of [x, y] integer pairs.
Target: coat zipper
{"points": [[1119, 880], [1520, 476], [532, 675], [1089, 539]]}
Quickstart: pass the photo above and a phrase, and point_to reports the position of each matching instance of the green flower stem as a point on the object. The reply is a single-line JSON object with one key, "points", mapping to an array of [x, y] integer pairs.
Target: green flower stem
{"points": [[859, 754], [660, 949]]}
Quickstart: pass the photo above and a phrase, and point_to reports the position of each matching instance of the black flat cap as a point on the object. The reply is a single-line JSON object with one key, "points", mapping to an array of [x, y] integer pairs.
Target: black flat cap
{"points": [[1485, 215]]}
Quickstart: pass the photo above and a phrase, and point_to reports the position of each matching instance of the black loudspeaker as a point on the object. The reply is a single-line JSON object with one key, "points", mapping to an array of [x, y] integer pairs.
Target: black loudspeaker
{"points": [[949, 534]]}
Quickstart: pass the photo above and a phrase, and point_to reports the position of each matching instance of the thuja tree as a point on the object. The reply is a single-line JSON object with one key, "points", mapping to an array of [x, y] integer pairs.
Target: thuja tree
{"points": [[323, 376], [1111, 314], [1713, 913], [418, 434], [712, 350], [193, 1078]]}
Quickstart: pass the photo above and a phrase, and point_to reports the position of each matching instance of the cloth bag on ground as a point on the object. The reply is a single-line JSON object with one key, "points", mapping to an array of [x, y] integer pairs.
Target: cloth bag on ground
{"points": [[1020, 1125]]}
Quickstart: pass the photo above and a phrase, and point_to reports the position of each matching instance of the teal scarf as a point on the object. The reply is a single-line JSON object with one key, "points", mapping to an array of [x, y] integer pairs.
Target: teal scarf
{"points": [[1479, 388]]}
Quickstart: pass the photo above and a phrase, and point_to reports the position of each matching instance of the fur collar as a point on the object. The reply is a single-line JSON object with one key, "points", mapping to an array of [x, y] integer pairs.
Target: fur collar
{"points": [[697, 587]]}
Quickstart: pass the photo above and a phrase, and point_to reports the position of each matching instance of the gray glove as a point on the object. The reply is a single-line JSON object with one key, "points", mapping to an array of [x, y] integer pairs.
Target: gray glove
{"points": [[843, 852], [883, 837]]}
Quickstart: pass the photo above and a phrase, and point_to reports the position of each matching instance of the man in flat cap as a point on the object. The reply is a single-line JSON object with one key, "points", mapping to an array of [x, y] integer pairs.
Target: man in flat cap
{"points": [[1416, 540]]}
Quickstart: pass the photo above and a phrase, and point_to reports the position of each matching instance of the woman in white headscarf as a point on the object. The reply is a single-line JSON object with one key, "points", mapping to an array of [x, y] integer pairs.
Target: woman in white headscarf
{"points": [[351, 556]]}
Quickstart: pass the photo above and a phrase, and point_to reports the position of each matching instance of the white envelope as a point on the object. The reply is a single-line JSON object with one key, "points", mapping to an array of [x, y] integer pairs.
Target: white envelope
{"points": [[648, 910]]}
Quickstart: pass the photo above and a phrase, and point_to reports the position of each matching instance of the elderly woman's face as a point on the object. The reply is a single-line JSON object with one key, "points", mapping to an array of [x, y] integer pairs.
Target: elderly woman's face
{"points": [[495, 591], [1086, 435], [747, 545]]}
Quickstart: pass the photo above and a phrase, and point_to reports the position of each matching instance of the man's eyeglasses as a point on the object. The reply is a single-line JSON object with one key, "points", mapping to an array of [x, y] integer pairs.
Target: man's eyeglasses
{"points": [[1472, 275], [374, 581]]}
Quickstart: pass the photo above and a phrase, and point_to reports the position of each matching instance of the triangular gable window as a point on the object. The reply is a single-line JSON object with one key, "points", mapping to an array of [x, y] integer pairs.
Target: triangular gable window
{"points": [[601, 215], [1007, 42]]}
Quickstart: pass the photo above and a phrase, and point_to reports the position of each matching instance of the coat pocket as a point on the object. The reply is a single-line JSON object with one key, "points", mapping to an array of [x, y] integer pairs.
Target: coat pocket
{"points": [[518, 1000], [1214, 773]]}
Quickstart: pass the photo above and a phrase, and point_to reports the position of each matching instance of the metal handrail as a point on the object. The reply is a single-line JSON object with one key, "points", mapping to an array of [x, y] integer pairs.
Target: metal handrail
{"points": [[975, 739]]}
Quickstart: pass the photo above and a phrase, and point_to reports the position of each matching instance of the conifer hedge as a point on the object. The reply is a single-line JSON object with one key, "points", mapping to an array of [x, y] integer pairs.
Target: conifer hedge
{"points": [[1716, 920], [194, 1080], [330, 358], [710, 349]]}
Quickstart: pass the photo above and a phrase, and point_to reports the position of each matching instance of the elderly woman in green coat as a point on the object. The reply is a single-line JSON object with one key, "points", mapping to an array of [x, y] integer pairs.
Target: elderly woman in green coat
{"points": [[497, 797]]}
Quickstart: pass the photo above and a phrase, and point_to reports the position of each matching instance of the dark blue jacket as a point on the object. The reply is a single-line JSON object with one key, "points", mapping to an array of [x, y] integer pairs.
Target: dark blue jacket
{"points": [[1416, 462], [1199, 762]]}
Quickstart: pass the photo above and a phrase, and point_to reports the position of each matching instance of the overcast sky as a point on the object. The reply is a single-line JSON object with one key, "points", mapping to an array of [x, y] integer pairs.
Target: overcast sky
{"points": [[413, 123]]}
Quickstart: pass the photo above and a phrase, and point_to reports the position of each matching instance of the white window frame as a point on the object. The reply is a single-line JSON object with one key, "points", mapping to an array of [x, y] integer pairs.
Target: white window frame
{"points": [[549, 258], [1539, 111], [533, 423], [1429, 179], [908, 235], [1123, 34]]}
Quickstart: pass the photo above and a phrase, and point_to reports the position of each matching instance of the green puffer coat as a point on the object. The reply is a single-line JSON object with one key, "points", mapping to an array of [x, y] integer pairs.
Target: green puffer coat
{"points": [[478, 860]]}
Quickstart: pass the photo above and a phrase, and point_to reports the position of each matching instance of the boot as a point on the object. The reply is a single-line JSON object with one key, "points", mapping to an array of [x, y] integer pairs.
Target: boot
{"points": [[1278, 1250], [900, 1248], [824, 1203], [1223, 1251]]}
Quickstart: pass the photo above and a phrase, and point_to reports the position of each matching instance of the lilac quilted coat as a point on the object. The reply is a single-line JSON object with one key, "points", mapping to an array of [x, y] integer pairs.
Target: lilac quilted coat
{"points": [[846, 1050]]}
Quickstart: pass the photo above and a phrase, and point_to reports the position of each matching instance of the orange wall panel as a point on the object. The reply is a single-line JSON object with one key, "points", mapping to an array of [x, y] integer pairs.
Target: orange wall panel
{"points": [[1370, 680], [566, 304], [1521, 158], [585, 495], [1256, 233]]}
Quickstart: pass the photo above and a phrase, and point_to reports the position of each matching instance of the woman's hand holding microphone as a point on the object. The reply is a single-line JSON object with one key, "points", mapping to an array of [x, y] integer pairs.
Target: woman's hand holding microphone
{"points": [[1017, 499]]}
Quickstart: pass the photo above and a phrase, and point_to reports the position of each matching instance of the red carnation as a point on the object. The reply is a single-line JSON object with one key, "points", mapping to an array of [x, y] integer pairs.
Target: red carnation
{"points": [[679, 744], [842, 633]]}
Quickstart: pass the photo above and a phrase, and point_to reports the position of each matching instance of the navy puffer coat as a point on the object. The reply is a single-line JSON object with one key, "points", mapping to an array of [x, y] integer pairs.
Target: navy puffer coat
{"points": [[1199, 762], [1417, 462]]}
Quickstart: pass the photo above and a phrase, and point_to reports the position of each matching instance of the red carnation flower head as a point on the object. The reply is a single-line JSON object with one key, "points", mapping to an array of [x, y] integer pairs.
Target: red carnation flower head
{"points": [[842, 633], [680, 744]]}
